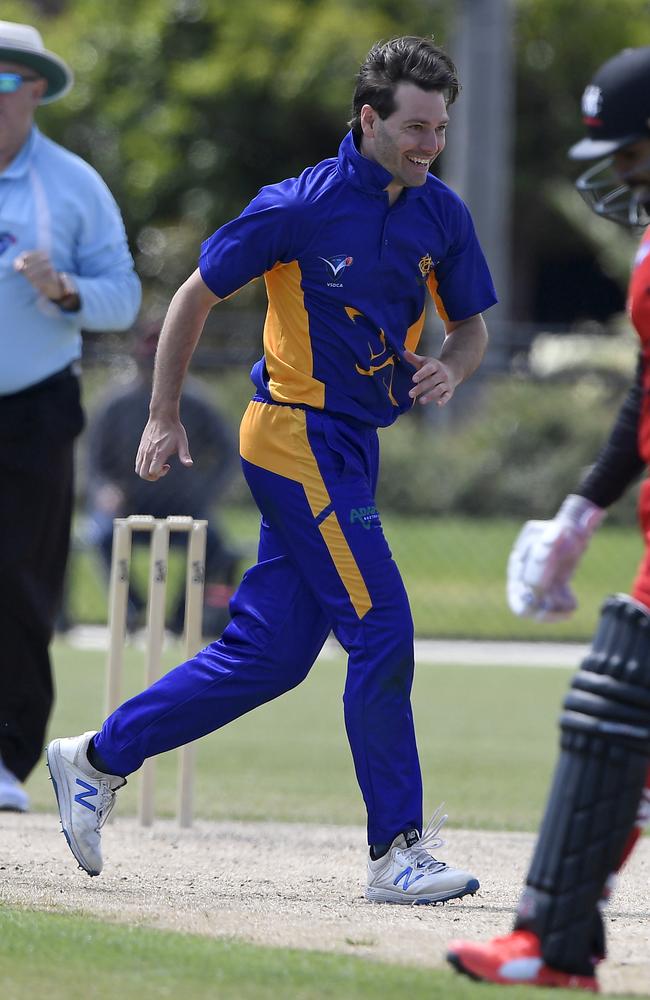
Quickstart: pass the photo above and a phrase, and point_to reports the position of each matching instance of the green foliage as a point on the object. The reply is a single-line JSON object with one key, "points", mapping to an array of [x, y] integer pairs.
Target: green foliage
{"points": [[453, 568], [559, 45], [519, 456], [523, 445], [187, 107]]}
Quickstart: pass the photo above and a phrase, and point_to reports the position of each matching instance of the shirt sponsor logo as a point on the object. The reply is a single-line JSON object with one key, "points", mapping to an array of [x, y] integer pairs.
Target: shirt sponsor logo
{"points": [[368, 517], [336, 265]]}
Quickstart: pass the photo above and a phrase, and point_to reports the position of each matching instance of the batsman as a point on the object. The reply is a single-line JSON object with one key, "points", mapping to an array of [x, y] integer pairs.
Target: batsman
{"points": [[600, 797]]}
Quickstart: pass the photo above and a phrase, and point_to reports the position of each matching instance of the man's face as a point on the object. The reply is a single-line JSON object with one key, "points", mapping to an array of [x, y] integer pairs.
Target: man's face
{"points": [[17, 109], [632, 164], [409, 140]]}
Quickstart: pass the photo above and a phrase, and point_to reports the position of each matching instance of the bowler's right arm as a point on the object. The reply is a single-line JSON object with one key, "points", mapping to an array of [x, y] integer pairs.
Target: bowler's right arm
{"points": [[164, 434]]}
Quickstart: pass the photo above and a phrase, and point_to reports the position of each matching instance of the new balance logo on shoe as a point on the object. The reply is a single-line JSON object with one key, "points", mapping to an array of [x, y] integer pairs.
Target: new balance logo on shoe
{"points": [[81, 797], [77, 783], [406, 875]]}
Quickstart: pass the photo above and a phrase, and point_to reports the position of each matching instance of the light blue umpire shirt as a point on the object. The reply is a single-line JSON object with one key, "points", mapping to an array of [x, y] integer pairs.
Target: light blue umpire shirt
{"points": [[52, 200]]}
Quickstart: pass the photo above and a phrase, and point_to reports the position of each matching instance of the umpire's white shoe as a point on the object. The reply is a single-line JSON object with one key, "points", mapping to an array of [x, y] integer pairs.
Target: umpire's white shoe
{"points": [[13, 797], [409, 874], [85, 798]]}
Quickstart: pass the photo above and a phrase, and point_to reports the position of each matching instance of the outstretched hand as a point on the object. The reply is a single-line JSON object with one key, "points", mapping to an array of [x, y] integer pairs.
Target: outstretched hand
{"points": [[160, 440], [433, 381]]}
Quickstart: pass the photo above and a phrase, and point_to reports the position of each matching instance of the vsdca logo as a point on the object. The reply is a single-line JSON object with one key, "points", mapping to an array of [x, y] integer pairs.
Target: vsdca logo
{"points": [[338, 263]]}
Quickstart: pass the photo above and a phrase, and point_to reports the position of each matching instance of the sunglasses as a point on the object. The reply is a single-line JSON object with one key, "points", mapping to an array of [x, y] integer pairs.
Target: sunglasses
{"points": [[11, 82]]}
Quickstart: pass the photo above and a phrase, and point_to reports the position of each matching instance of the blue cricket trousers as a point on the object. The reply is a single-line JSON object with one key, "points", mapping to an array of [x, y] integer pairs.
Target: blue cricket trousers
{"points": [[324, 564]]}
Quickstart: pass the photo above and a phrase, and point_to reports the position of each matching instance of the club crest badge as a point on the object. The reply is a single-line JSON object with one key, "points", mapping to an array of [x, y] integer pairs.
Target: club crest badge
{"points": [[426, 265]]}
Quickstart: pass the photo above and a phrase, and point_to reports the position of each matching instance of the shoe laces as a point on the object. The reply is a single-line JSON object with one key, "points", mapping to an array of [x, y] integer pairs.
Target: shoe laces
{"points": [[430, 841], [106, 803]]}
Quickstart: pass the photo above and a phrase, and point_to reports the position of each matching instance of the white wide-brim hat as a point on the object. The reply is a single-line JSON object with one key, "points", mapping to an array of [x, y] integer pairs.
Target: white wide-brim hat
{"points": [[22, 44]]}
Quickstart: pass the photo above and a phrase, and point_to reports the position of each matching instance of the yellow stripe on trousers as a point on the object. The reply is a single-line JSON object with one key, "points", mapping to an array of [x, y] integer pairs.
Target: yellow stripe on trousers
{"points": [[275, 438]]}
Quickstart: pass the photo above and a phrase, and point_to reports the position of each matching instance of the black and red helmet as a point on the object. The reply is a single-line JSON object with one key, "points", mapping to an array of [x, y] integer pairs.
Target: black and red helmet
{"points": [[616, 112], [616, 105]]}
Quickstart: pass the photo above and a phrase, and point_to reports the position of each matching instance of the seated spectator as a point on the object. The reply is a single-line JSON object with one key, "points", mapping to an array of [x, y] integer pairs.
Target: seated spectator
{"points": [[114, 489]]}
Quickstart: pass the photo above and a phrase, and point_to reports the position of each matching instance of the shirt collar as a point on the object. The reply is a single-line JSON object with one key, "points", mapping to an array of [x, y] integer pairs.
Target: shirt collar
{"points": [[21, 161], [367, 174], [359, 171]]}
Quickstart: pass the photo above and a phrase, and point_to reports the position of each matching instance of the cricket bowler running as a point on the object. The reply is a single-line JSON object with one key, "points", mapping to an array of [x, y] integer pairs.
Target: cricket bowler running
{"points": [[348, 251]]}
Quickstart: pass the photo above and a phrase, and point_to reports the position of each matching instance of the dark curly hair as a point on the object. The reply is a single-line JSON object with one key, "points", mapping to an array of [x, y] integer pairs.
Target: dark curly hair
{"points": [[409, 58]]}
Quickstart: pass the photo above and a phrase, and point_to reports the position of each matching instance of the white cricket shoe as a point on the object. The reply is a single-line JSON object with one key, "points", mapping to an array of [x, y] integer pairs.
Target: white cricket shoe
{"points": [[409, 874], [85, 798], [13, 797]]}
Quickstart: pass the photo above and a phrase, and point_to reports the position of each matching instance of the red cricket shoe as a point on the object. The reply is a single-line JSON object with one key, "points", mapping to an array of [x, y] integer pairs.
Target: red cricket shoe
{"points": [[513, 960]]}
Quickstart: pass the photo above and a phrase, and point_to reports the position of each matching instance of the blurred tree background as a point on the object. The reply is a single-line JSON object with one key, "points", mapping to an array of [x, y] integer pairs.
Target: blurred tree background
{"points": [[187, 107], [569, 266]]}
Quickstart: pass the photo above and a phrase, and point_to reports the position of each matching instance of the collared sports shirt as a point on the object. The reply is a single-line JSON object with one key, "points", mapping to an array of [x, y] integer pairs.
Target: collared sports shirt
{"points": [[347, 276], [52, 200]]}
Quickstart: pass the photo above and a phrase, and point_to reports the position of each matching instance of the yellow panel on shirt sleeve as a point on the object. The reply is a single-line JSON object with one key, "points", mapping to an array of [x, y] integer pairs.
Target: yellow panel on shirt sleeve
{"points": [[414, 333], [432, 284], [287, 342]]}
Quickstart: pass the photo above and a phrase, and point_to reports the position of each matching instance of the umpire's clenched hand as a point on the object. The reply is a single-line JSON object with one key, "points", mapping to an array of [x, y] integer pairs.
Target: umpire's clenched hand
{"points": [[161, 438], [433, 381], [36, 266]]}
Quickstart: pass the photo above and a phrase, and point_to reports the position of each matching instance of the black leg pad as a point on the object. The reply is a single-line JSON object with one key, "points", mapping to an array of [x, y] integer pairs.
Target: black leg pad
{"points": [[601, 772]]}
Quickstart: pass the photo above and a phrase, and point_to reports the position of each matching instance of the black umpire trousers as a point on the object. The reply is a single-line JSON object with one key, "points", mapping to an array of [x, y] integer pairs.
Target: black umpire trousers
{"points": [[38, 427]]}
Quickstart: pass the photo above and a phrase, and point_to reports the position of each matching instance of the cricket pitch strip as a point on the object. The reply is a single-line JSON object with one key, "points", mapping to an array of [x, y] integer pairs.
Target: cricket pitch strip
{"points": [[298, 886]]}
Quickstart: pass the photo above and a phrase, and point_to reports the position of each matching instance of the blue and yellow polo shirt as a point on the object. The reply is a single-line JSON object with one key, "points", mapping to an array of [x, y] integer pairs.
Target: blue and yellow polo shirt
{"points": [[346, 276]]}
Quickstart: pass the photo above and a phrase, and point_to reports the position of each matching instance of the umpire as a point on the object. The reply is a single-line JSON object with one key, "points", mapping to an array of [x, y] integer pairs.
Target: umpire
{"points": [[64, 266]]}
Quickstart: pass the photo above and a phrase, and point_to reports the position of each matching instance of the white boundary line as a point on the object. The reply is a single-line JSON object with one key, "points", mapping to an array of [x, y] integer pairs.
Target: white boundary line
{"points": [[488, 652]]}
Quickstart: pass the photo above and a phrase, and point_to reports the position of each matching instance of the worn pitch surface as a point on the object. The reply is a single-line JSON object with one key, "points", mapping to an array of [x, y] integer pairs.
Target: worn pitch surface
{"points": [[297, 886]]}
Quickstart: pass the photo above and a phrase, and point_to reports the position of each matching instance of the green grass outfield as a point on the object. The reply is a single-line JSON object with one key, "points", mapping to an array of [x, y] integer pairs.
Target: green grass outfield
{"points": [[454, 570], [487, 738], [69, 958]]}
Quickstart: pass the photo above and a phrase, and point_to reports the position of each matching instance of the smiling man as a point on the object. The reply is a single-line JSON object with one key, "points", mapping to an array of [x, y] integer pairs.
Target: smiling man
{"points": [[348, 251], [408, 141]]}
